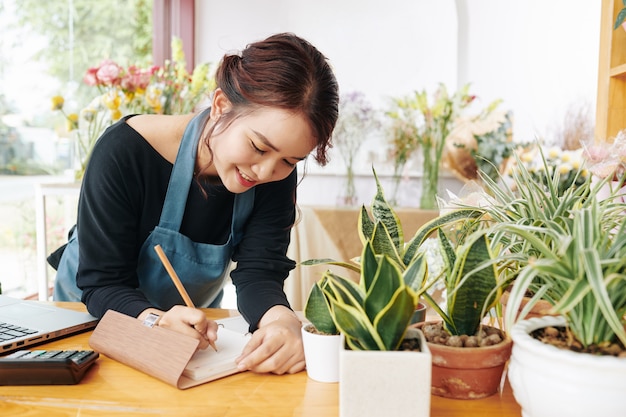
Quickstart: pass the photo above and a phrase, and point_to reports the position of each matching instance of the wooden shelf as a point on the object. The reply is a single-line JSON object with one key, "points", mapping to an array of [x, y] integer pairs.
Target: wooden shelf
{"points": [[611, 100], [618, 71]]}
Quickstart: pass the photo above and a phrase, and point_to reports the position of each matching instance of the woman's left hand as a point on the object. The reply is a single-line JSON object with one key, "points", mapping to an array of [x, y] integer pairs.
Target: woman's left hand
{"points": [[276, 346]]}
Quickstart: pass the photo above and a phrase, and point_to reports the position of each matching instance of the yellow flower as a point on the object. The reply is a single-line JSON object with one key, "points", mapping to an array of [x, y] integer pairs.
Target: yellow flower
{"points": [[554, 152], [72, 121], [57, 102], [112, 100], [565, 168], [116, 114], [88, 114]]}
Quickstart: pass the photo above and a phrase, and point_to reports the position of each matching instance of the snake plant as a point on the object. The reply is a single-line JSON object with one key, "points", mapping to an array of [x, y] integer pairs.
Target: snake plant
{"points": [[375, 313], [401, 266]]}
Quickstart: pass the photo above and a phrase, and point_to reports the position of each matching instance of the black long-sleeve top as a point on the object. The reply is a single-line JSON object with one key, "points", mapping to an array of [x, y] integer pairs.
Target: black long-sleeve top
{"points": [[120, 203]]}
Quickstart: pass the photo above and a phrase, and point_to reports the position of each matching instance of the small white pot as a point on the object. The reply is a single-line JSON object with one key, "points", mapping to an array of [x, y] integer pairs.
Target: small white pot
{"points": [[548, 381], [385, 383], [321, 353]]}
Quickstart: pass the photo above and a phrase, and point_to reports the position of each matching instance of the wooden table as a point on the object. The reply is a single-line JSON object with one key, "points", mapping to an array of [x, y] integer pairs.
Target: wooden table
{"points": [[113, 389]]}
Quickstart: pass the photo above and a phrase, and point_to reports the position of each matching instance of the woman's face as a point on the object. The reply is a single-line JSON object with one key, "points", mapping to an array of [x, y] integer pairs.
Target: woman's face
{"points": [[260, 147]]}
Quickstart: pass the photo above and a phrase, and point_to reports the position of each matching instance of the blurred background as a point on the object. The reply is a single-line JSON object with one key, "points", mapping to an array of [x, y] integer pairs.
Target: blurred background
{"points": [[540, 58]]}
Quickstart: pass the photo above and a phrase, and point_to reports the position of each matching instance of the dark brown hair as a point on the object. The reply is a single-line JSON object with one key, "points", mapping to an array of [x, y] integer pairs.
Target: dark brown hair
{"points": [[287, 72]]}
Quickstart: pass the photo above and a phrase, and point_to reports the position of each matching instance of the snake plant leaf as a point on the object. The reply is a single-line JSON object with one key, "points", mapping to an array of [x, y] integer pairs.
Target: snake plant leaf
{"points": [[329, 261], [415, 274], [384, 213], [343, 289], [449, 258], [354, 325], [317, 309], [383, 243], [387, 280], [478, 277], [366, 225], [369, 266], [393, 320], [426, 230]]}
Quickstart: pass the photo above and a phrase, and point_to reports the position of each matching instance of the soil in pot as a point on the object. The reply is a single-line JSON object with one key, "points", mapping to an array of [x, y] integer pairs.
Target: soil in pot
{"points": [[563, 339]]}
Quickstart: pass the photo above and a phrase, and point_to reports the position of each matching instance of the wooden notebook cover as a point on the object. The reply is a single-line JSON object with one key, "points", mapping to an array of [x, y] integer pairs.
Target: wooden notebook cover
{"points": [[156, 351]]}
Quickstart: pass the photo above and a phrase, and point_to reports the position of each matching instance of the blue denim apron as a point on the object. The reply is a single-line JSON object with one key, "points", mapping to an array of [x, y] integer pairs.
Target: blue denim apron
{"points": [[201, 267]]}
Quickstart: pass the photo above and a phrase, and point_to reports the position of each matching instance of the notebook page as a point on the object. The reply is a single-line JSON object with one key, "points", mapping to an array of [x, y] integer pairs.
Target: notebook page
{"points": [[207, 362]]}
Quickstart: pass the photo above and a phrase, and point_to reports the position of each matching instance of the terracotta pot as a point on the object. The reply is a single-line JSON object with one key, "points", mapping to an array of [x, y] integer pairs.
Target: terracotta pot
{"points": [[468, 373], [540, 308], [419, 315]]}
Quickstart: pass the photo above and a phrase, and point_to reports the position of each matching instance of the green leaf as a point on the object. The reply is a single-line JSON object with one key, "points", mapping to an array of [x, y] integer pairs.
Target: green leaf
{"points": [[415, 275], [426, 230], [384, 213], [329, 261], [317, 309], [393, 320], [621, 16], [383, 243], [387, 280], [477, 277], [366, 226], [352, 322]]}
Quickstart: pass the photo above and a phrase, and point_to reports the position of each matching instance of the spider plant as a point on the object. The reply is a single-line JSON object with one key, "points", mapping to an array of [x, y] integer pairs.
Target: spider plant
{"points": [[567, 247], [584, 277]]}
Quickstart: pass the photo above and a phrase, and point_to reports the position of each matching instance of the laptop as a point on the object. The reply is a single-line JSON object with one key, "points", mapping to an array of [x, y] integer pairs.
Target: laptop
{"points": [[25, 323]]}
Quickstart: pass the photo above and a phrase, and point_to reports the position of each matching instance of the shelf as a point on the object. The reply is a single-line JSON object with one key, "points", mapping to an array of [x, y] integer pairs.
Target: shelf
{"points": [[618, 71], [611, 100]]}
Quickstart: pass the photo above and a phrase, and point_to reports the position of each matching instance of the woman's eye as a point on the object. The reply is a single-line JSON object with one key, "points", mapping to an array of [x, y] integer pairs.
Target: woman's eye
{"points": [[256, 149], [289, 164]]}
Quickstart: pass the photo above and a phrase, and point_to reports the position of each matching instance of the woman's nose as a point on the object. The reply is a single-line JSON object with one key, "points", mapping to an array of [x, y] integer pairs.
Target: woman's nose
{"points": [[264, 170]]}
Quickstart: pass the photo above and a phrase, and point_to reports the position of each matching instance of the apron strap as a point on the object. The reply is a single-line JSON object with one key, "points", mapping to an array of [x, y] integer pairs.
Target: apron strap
{"points": [[182, 174]]}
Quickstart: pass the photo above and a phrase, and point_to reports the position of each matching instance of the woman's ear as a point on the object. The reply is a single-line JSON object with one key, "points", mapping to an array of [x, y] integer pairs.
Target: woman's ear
{"points": [[220, 104]]}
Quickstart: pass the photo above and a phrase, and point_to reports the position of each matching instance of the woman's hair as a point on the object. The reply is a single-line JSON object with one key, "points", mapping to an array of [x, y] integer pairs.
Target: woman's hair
{"points": [[287, 72]]}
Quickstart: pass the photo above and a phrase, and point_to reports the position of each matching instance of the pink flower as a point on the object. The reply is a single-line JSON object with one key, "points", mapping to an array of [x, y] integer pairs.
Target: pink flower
{"points": [[108, 73], [135, 79], [607, 159], [90, 78]]}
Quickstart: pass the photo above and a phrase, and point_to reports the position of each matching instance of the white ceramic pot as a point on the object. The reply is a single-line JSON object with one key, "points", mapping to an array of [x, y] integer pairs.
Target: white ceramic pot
{"points": [[378, 383], [321, 353], [548, 381]]}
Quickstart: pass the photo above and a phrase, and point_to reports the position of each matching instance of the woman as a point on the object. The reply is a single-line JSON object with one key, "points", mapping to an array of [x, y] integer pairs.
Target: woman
{"points": [[274, 104]]}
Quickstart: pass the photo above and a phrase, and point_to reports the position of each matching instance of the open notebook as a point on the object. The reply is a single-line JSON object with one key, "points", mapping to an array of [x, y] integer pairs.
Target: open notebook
{"points": [[231, 338]]}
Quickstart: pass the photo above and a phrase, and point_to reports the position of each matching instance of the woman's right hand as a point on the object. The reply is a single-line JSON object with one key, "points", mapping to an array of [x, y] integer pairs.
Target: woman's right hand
{"points": [[186, 320]]}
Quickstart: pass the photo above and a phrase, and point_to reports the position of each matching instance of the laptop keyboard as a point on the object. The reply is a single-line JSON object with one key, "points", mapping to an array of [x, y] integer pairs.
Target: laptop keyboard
{"points": [[10, 331]]}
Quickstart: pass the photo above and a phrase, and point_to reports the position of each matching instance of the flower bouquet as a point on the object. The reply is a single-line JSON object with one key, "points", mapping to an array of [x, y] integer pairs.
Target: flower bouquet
{"points": [[416, 123], [170, 89]]}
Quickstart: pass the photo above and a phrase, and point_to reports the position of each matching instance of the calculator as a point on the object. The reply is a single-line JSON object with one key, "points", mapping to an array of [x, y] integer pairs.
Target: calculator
{"points": [[46, 367]]}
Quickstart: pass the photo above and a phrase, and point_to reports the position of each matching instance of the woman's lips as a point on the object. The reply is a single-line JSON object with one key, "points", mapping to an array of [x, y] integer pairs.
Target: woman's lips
{"points": [[244, 179]]}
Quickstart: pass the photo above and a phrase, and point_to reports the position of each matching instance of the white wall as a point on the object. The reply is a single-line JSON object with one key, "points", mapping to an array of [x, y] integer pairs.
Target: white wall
{"points": [[539, 56]]}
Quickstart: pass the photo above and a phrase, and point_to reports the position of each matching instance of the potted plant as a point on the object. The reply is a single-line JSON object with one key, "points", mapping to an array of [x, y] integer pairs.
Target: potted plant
{"points": [[584, 278], [377, 347], [569, 247], [468, 356], [542, 186], [373, 316], [471, 280], [320, 337]]}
